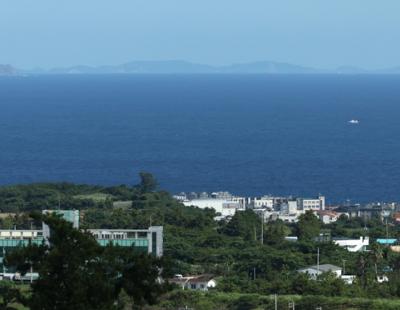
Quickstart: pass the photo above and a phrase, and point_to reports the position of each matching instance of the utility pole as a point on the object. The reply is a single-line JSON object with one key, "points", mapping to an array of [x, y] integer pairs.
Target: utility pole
{"points": [[276, 301], [262, 227], [344, 266], [254, 273], [387, 231], [31, 274], [318, 260]]}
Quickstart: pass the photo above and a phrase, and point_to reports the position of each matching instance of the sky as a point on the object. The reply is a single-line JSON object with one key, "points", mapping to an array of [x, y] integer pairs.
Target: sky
{"points": [[317, 33]]}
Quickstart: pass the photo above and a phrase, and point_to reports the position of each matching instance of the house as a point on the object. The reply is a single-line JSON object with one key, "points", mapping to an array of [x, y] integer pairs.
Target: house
{"points": [[317, 270], [327, 217], [382, 279], [348, 279], [200, 282], [353, 245], [396, 217]]}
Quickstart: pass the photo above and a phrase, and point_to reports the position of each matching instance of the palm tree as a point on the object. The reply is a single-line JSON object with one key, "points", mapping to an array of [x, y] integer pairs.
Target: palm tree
{"points": [[376, 255]]}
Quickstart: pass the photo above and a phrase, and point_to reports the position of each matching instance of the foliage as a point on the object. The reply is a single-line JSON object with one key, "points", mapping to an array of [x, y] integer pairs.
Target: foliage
{"points": [[9, 294], [308, 226], [229, 301], [195, 243], [148, 183], [76, 273]]}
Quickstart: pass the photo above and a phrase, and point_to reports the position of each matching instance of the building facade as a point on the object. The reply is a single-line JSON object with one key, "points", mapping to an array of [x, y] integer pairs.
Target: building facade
{"points": [[147, 240]]}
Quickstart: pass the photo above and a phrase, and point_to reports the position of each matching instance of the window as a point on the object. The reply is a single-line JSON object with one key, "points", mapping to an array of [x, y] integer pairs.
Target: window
{"points": [[154, 243], [193, 286]]}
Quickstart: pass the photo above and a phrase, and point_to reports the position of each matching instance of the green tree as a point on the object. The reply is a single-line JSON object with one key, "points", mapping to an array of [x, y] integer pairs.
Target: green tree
{"points": [[148, 182], [245, 224], [308, 226], [9, 294], [276, 232], [76, 273]]}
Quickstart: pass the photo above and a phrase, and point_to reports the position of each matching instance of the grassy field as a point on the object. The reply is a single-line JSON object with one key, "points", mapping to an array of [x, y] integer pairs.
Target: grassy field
{"points": [[98, 197], [212, 300], [237, 301], [122, 204]]}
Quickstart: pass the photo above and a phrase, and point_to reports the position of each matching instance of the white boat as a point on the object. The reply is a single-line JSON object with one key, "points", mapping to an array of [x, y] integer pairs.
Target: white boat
{"points": [[354, 121]]}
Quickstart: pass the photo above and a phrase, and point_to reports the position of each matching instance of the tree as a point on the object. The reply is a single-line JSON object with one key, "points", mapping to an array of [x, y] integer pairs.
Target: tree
{"points": [[76, 273], [276, 232], [9, 294], [148, 182], [245, 224], [376, 256], [308, 226]]}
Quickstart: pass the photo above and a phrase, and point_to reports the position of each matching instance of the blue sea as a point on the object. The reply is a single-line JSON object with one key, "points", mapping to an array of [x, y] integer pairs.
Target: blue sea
{"points": [[248, 134]]}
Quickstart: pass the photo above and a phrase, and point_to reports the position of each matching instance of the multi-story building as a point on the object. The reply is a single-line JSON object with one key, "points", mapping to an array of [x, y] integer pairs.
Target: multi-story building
{"points": [[226, 208], [263, 202], [147, 240], [313, 204]]}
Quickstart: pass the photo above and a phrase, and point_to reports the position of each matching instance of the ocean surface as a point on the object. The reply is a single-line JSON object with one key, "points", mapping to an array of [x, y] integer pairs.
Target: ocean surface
{"points": [[248, 134]]}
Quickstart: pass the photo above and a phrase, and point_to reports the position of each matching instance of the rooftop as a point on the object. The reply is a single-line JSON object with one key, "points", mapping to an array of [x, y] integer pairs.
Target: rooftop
{"points": [[323, 267]]}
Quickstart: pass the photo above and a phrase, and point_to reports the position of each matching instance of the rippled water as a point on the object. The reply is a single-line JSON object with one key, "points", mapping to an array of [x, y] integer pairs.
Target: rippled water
{"points": [[246, 134]]}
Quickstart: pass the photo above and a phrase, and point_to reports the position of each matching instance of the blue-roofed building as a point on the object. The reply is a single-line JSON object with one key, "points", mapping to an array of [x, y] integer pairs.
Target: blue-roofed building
{"points": [[386, 241]]}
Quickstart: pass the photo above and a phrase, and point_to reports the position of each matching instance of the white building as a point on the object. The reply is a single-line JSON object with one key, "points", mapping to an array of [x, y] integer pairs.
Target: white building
{"points": [[226, 208], [312, 204], [20, 234], [242, 201], [317, 270], [201, 282], [263, 202], [348, 279], [221, 195], [327, 217], [180, 197], [289, 218], [353, 245]]}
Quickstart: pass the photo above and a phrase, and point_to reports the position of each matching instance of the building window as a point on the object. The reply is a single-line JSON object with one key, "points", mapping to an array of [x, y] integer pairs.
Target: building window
{"points": [[142, 234], [154, 243], [193, 286]]}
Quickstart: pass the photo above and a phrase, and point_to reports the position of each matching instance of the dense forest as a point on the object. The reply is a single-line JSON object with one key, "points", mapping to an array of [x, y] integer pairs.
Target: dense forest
{"points": [[248, 272]]}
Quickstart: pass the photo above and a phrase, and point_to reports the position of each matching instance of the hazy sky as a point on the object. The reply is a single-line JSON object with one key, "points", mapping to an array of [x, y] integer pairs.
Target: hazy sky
{"points": [[317, 33]]}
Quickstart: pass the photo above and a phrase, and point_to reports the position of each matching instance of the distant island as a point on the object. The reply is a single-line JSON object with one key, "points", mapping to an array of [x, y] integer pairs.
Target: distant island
{"points": [[7, 70], [185, 67]]}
